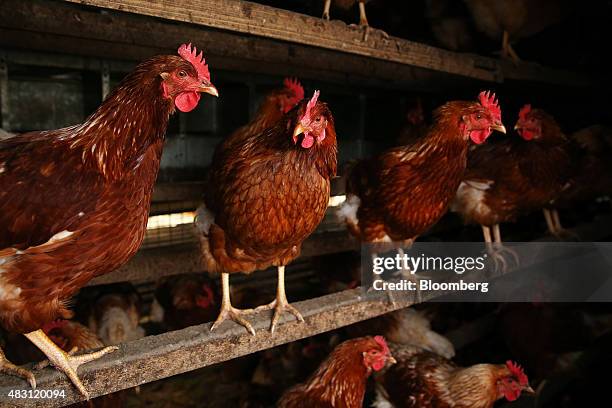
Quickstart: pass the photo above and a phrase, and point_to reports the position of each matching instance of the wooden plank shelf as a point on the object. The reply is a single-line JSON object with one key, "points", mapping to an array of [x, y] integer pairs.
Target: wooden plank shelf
{"points": [[268, 22], [157, 357], [246, 37]]}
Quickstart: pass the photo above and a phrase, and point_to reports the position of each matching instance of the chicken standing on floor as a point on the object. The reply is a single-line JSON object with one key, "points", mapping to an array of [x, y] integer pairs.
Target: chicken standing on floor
{"points": [[516, 176], [340, 381], [269, 193], [74, 202], [422, 379]]}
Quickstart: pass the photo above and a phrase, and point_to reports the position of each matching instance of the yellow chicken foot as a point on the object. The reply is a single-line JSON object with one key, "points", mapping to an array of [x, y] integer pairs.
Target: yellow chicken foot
{"points": [[280, 304], [230, 312], [9, 368], [63, 361]]}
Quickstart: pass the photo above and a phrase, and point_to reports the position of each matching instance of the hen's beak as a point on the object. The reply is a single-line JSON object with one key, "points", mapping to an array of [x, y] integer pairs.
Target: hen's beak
{"points": [[209, 88], [529, 390], [299, 129], [391, 360], [517, 127], [499, 127]]}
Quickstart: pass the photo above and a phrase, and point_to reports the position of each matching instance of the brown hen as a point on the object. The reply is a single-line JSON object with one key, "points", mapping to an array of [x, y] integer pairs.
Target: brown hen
{"points": [[422, 379], [267, 194], [74, 202], [340, 381]]}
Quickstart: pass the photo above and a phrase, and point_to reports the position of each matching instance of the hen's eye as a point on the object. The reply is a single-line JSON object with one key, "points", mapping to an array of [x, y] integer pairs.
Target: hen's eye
{"points": [[478, 116], [182, 74], [318, 119]]}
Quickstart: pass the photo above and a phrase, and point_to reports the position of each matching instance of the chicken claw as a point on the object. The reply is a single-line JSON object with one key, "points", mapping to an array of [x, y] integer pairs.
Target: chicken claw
{"points": [[280, 304], [9, 368], [65, 362], [501, 256], [280, 307], [230, 312]]}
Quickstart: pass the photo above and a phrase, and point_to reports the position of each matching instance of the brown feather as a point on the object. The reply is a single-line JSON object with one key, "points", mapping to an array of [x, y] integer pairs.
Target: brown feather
{"points": [[74, 202], [267, 195]]}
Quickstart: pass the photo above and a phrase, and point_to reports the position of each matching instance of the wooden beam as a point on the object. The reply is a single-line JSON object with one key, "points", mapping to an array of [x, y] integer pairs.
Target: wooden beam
{"points": [[46, 26], [246, 37], [156, 357], [268, 22]]}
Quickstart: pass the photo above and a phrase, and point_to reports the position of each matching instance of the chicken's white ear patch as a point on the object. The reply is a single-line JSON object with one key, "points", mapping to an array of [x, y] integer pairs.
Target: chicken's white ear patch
{"points": [[164, 75]]}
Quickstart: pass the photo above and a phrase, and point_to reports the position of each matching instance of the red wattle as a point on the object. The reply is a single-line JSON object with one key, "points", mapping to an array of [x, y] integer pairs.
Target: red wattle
{"points": [[308, 141], [479, 136], [187, 101]]}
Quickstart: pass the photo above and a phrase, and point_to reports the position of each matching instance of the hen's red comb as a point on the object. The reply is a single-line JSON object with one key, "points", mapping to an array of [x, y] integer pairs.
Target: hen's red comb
{"points": [[56, 324], [488, 101], [381, 341], [518, 372], [311, 104], [197, 60], [524, 111], [294, 86]]}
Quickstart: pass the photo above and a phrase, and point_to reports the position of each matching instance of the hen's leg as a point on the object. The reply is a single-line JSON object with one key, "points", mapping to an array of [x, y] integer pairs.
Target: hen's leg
{"points": [[9, 368], [326, 9], [499, 261], [500, 245], [561, 232], [63, 361], [280, 304], [228, 311], [507, 50], [363, 19], [549, 222]]}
